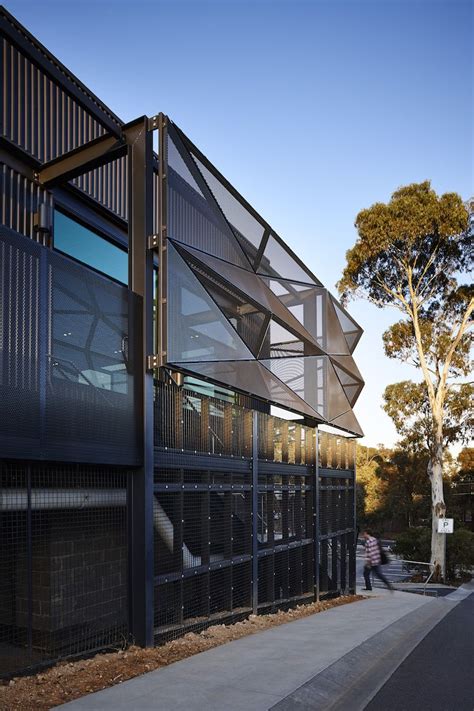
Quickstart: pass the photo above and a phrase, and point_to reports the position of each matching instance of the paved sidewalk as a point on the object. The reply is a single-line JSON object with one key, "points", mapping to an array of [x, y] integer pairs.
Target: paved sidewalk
{"points": [[258, 671]]}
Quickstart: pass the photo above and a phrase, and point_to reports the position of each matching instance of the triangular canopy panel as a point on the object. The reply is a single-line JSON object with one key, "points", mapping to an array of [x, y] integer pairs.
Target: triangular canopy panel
{"points": [[179, 168], [279, 262], [336, 344], [197, 328], [337, 402], [194, 217], [305, 302], [250, 323], [254, 379], [246, 228], [252, 287], [305, 376], [239, 308], [348, 422], [351, 329]]}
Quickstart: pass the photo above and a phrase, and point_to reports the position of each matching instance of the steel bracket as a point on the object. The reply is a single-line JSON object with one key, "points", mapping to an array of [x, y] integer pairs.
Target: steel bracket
{"points": [[154, 241], [154, 122], [153, 361]]}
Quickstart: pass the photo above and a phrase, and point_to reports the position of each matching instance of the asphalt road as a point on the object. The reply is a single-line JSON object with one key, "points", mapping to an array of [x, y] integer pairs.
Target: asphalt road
{"points": [[439, 674]]}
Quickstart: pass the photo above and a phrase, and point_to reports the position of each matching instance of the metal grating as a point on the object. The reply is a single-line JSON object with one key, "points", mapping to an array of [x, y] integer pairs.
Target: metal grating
{"points": [[63, 562]]}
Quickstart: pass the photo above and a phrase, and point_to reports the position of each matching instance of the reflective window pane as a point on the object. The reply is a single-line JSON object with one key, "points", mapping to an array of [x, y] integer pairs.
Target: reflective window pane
{"points": [[88, 247]]}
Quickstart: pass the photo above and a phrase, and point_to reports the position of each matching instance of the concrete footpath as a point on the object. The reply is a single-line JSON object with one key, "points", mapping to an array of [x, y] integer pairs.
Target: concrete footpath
{"points": [[337, 659]]}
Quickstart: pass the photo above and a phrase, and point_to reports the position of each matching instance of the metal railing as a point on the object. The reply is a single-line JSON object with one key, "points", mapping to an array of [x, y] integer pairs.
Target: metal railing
{"points": [[418, 562]]}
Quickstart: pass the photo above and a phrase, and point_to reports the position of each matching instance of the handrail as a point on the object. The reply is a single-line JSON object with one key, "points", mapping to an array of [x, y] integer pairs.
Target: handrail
{"points": [[419, 562]]}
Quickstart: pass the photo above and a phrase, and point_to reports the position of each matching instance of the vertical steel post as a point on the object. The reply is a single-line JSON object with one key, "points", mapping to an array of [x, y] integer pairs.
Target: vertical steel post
{"points": [[316, 516], [29, 563], [140, 260], [255, 512], [353, 557]]}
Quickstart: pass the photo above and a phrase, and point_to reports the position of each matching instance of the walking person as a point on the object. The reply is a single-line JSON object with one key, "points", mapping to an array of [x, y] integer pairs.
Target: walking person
{"points": [[373, 561]]}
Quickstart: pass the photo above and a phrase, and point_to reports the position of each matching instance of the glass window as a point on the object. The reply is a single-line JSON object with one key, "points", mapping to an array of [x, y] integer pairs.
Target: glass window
{"points": [[88, 247]]}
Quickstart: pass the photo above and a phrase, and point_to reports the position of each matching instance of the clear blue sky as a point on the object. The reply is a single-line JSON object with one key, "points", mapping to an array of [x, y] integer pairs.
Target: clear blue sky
{"points": [[312, 109]]}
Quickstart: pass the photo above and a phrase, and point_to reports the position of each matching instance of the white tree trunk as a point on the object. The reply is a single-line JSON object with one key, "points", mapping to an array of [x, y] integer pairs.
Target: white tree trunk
{"points": [[438, 510]]}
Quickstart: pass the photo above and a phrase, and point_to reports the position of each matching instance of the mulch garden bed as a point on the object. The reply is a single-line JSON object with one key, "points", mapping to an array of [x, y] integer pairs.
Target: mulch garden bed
{"points": [[70, 680]]}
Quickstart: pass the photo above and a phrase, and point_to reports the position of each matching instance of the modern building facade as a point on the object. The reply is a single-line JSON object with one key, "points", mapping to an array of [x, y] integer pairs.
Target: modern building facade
{"points": [[150, 321]]}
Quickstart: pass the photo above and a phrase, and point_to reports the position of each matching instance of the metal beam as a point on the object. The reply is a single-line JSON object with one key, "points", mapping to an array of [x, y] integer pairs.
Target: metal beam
{"points": [[93, 154]]}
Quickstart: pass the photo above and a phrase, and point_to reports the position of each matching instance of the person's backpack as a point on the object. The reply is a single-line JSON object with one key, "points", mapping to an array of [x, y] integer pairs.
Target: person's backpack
{"points": [[384, 559]]}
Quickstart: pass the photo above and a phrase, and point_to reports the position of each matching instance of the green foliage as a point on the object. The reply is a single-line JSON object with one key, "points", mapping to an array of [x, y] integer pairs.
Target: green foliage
{"points": [[418, 233], [408, 406], [460, 494], [409, 255], [415, 544], [459, 553], [436, 336], [392, 487]]}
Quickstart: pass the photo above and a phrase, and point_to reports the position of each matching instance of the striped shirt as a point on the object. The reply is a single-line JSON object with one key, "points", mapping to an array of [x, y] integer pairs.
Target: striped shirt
{"points": [[372, 551]]}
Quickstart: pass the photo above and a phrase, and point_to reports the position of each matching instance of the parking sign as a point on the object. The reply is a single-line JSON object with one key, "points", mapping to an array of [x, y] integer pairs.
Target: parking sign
{"points": [[445, 525]]}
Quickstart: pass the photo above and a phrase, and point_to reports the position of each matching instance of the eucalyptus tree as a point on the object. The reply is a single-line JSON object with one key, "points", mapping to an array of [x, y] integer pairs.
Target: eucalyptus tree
{"points": [[411, 254]]}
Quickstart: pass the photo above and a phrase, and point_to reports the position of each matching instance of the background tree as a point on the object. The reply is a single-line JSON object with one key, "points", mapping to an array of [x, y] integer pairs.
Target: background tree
{"points": [[409, 255], [461, 493]]}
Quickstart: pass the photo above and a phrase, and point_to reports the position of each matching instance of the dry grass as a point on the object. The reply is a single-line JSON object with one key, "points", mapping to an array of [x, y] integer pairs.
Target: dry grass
{"points": [[70, 680]]}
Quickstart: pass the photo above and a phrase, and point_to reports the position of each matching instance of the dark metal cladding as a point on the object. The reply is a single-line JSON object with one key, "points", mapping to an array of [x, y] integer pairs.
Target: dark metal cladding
{"points": [[138, 503]]}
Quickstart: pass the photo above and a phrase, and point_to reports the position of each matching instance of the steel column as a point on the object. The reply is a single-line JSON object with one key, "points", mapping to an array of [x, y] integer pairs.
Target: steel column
{"points": [[255, 512], [316, 517], [140, 157]]}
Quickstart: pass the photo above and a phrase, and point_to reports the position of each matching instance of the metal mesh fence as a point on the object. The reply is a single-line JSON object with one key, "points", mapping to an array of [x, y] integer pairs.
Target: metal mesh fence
{"points": [[63, 562], [203, 513]]}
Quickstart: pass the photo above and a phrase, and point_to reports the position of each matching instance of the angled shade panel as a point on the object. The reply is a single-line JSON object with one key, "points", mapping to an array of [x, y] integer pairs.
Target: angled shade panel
{"points": [[253, 287], [281, 343], [337, 402], [349, 423], [178, 171], [305, 377], [254, 379], [349, 376], [194, 218], [279, 262], [246, 228], [249, 322], [351, 329], [197, 329], [336, 344], [305, 302], [348, 364]]}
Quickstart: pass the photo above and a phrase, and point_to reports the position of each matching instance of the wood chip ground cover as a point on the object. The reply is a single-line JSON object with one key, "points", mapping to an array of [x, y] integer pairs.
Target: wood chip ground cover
{"points": [[70, 680]]}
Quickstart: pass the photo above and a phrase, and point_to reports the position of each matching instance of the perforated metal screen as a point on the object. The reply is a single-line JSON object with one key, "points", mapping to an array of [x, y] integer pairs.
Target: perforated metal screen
{"points": [[66, 358]]}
